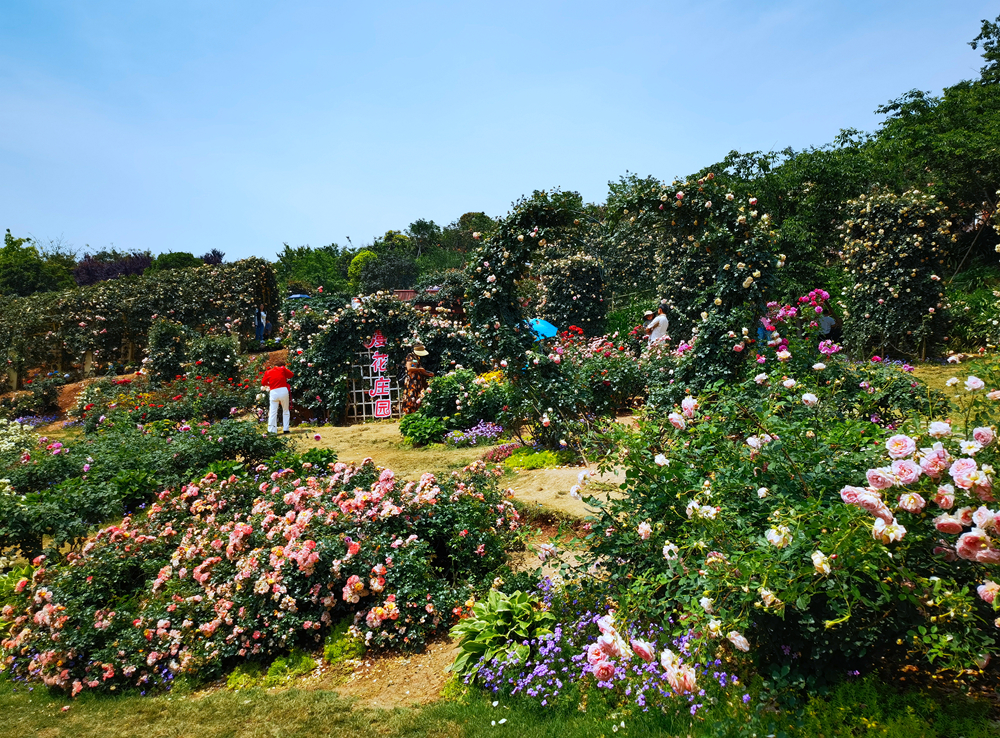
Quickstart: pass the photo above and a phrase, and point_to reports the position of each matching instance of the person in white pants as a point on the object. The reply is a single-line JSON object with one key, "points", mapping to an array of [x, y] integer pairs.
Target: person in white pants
{"points": [[279, 396], [276, 378]]}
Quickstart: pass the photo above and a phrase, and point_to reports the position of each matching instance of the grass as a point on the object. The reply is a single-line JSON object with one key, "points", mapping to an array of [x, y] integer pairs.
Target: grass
{"points": [[865, 708], [935, 375]]}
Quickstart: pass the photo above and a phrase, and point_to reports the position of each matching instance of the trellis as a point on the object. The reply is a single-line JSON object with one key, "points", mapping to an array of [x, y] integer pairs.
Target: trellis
{"points": [[362, 405]]}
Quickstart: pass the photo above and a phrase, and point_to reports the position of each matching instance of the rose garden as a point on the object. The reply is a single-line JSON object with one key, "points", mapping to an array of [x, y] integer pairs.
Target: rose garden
{"points": [[783, 526]]}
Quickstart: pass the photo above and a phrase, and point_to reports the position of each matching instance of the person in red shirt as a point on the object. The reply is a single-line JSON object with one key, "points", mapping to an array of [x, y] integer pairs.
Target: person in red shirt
{"points": [[276, 379]]}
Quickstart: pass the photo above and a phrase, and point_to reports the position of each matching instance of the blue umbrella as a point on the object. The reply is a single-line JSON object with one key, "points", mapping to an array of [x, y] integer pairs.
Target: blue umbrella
{"points": [[542, 328]]}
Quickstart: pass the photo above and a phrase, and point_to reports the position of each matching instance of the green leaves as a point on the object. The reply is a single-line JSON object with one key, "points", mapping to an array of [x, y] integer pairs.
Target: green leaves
{"points": [[499, 627]]}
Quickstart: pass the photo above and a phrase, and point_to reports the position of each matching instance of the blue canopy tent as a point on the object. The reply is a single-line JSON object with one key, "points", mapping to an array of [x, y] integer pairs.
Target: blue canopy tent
{"points": [[542, 329]]}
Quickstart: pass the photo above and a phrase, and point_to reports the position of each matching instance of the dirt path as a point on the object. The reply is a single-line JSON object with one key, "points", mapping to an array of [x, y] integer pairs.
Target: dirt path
{"points": [[387, 682]]}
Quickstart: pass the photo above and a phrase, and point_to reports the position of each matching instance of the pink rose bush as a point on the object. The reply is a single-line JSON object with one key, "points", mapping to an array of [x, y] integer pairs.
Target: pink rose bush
{"points": [[252, 565]]}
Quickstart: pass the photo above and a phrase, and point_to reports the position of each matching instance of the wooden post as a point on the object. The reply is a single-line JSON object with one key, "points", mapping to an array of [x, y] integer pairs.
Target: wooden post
{"points": [[88, 363], [12, 378]]}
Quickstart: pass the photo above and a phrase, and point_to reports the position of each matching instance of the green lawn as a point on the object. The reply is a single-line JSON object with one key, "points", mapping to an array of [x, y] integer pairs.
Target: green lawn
{"points": [[865, 708]]}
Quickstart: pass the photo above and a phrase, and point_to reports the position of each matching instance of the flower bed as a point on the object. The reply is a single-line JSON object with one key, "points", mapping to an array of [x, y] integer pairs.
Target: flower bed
{"points": [[252, 565]]}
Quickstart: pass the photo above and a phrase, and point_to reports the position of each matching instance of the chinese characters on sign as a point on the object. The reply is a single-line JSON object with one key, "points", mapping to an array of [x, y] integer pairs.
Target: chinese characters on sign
{"points": [[374, 393]]}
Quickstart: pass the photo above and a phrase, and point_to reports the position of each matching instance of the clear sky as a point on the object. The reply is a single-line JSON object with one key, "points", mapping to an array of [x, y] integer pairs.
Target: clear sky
{"points": [[192, 125]]}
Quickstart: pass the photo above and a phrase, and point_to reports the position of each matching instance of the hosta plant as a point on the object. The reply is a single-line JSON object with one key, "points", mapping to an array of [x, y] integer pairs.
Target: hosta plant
{"points": [[498, 627]]}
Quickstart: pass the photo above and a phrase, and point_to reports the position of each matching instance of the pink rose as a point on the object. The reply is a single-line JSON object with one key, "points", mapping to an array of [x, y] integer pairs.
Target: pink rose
{"points": [[682, 679], [935, 462], [688, 406], [984, 435], [988, 591], [644, 530], [609, 645], [604, 671], [643, 650], [677, 421], [945, 497], [912, 502], [948, 524], [906, 471], [594, 654], [880, 478], [971, 544], [961, 469], [900, 445], [984, 518]]}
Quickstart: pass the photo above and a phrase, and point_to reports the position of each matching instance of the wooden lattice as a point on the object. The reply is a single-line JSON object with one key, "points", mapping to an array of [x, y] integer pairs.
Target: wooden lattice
{"points": [[362, 405]]}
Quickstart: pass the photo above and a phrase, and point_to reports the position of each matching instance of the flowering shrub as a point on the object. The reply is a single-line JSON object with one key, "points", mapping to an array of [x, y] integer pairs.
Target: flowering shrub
{"points": [[113, 318], [250, 566], [62, 491], [895, 246], [461, 398], [324, 341], [41, 397], [505, 258], [167, 351], [215, 356], [716, 268], [572, 292], [194, 398], [733, 520]]}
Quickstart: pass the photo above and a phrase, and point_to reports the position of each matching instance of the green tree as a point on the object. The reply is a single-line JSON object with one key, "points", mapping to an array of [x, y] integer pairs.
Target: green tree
{"points": [[357, 264], [424, 235], [24, 270], [989, 39], [174, 260], [393, 270], [319, 267]]}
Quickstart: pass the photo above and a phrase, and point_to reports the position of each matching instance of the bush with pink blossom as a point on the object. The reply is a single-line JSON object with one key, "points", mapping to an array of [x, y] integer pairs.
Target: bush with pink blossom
{"points": [[247, 567], [733, 518]]}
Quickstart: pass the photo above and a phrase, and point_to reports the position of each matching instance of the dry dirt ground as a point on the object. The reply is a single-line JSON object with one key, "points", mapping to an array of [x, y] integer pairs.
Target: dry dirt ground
{"points": [[546, 488], [396, 680]]}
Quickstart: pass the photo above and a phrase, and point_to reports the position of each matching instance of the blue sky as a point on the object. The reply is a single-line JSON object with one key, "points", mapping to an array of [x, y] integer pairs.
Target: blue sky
{"points": [[188, 126]]}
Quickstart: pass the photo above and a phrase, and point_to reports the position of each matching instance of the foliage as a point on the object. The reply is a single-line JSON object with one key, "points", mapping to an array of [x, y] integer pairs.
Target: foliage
{"points": [[110, 264], [174, 260], [215, 356], [320, 267], [341, 645], [572, 293], [168, 589], [972, 298], [357, 265], [390, 271], [285, 668], [61, 491], [167, 350], [461, 398], [24, 270], [113, 318], [529, 458], [895, 247], [40, 397], [452, 285], [498, 627], [421, 430]]}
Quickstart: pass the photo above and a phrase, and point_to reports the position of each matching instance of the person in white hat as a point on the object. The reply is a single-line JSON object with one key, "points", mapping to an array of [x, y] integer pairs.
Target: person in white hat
{"points": [[416, 379], [657, 327]]}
